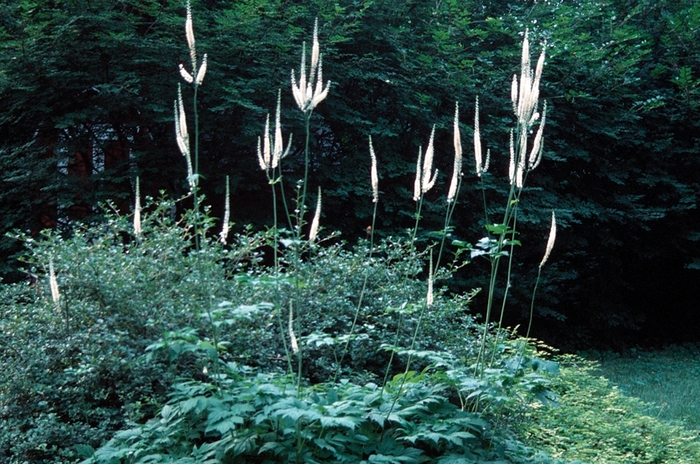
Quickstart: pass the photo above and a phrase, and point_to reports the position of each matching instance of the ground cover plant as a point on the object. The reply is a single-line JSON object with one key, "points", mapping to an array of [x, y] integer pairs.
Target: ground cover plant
{"points": [[597, 423], [187, 344], [665, 379]]}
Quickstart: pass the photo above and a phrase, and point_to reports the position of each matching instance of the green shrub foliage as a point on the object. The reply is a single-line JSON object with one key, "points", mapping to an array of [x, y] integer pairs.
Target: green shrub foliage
{"points": [[139, 314]]}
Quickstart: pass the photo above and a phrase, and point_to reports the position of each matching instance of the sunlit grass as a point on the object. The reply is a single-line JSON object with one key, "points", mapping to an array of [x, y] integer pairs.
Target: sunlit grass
{"points": [[668, 379]]}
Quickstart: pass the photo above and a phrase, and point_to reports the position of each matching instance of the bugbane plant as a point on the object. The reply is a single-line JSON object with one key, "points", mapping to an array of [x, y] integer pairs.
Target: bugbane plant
{"points": [[225, 223], [137, 209], [200, 69], [307, 97], [272, 150], [317, 218], [305, 93], [547, 252], [374, 175], [457, 165], [190, 151], [525, 98], [425, 176], [524, 156]]}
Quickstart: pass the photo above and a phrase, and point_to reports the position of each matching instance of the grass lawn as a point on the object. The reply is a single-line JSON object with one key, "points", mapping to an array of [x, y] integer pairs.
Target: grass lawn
{"points": [[668, 379]]}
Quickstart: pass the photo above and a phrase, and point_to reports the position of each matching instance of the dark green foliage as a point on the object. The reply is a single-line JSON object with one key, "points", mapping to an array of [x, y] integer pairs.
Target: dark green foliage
{"points": [[138, 313], [262, 418], [74, 374]]}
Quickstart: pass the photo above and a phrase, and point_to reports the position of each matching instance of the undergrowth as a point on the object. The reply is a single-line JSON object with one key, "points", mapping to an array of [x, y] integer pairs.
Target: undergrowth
{"points": [[667, 380]]}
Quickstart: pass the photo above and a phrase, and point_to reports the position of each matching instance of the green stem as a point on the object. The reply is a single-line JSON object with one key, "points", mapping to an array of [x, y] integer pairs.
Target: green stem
{"points": [[362, 294], [278, 293], [196, 171], [409, 360], [393, 352], [532, 303], [415, 227], [302, 206], [448, 219], [301, 209]]}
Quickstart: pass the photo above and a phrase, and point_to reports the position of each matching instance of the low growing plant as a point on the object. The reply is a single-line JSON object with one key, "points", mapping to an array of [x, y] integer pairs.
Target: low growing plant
{"points": [[593, 421]]}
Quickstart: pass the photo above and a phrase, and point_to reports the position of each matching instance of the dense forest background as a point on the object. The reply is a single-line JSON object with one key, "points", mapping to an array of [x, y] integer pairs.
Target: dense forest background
{"points": [[86, 104]]}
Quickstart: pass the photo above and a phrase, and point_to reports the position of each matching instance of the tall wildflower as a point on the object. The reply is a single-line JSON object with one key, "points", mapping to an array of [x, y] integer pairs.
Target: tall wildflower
{"points": [[425, 176], [374, 176], [524, 96], [430, 296], [137, 209], [182, 136], [511, 166], [225, 226], [292, 336], [306, 95], [457, 166], [317, 217], [550, 240], [417, 181], [272, 149], [477, 141], [53, 283], [189, 35]]}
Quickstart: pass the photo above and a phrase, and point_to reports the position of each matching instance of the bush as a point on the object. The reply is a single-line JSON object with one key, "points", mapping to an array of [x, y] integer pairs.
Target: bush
{"points": [[75, 372], [263, 418]]}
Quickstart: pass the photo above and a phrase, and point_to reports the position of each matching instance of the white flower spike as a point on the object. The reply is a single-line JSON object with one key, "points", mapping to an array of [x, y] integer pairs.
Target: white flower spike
{"points": [[317, 217], [305, 95], [374, 176], [416, 182], [225, 224], [182, 137], [457, 166], [53, 283], [425, 177], [189, 35], [273, 150], [429, 177], [477, 142], [550, 240], [137, 209]]}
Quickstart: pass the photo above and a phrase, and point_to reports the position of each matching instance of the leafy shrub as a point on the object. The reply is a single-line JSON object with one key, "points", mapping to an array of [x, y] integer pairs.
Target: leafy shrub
{"points": [[75, 372], [246, 417]]}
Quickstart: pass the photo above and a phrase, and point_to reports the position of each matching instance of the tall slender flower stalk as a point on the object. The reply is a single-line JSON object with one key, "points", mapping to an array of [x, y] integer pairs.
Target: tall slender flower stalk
{"points": [[270, 154], [196, 77], [425, 179], [307, 97], [374, 182], [225, 223], [374, 175], [53, 284], [317, 217], [524, 157], [457, 165], [137, 210], [547, 252], [455, 183]]}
